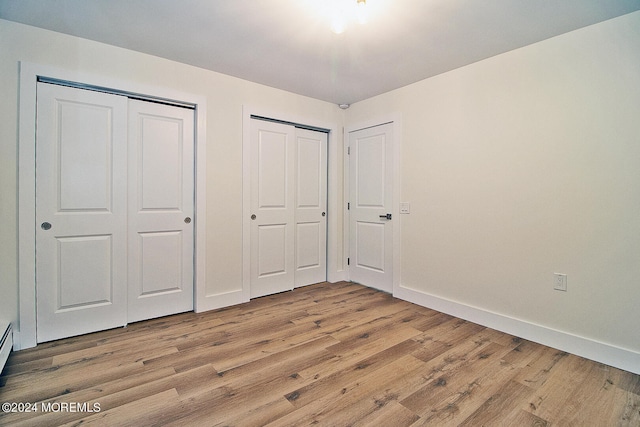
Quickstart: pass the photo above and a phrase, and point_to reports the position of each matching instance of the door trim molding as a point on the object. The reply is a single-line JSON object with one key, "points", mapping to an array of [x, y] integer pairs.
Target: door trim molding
{"points": [[335, 273], [395, 119], [25, 335]]}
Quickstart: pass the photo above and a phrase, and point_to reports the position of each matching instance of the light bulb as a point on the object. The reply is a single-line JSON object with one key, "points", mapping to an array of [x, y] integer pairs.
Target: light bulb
{"points": [[338, 23], [361, 12]]}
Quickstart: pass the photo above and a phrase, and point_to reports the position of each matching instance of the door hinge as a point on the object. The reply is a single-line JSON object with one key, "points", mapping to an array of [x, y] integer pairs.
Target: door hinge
{"points": [[348, 150], [348, 206], [348, 261]]}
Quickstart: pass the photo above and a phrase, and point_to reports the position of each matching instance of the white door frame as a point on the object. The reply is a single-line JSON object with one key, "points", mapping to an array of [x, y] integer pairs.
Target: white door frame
{"points": [[335, 272], [396, 121], [25, 336]]}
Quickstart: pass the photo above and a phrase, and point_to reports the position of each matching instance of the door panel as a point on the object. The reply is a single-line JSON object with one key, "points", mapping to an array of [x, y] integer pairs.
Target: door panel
{"points": [[272, 208], [160, 277], [371, 187], [161, 198], [311, 207], [84, 152], [274, 171], [81, 260], [272, 250], [371, 162], [160, 157], [308, 249], [84, 260], [371, 246]]}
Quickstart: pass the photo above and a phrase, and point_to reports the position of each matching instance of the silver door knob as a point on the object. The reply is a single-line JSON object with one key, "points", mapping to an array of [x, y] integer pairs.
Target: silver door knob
{"points": [[187, 220], [45, 225]]}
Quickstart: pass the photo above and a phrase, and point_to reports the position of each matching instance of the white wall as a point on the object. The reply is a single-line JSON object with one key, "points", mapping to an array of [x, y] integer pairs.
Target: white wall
{"points": [[516, 167], [225, 97], [522, 165]]}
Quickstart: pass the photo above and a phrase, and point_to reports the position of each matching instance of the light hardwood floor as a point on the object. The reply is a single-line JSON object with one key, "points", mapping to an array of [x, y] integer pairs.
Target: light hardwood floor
{"points": [[328, 354]]}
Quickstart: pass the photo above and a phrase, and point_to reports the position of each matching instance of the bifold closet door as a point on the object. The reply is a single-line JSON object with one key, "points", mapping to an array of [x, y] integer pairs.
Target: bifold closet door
{"points": [[114, 208], [288, 207]]}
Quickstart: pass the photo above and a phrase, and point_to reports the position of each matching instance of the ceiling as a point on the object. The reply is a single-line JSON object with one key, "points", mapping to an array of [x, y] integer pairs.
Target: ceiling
{"points": [[288, 44]]}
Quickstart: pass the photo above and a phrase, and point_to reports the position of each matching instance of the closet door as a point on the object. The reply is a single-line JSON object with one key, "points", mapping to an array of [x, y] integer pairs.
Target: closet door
{"points": [[288, 207], [114, 211], [272, 207], [161, 206], [311, 207], [81, 213]]}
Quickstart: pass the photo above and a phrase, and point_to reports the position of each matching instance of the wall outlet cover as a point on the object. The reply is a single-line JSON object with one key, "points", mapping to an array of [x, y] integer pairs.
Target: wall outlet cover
{"points": [[560, 282]]}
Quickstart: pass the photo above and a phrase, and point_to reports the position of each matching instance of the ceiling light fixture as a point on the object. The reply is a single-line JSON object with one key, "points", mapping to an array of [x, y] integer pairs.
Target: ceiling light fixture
{"points": [[362, 11], [342, 13]]}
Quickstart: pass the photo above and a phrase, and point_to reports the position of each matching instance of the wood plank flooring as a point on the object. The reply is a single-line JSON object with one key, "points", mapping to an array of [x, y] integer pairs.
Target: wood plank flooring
{"points": [[328, 354]]}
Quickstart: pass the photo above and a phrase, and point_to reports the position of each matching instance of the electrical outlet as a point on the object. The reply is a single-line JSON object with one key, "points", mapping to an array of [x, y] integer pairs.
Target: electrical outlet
{"points": [[405, 208], [560, 282]]}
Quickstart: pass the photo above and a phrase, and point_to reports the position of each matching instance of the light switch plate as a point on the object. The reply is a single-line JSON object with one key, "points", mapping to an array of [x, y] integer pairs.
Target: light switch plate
{"points": [[560, 282], [405, 208]]}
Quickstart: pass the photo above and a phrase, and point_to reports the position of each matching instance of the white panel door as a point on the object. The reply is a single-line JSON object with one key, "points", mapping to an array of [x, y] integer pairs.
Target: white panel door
{"points": [[161, 206], [371, 199], [272, 208], [311, 207], [81, 214]]}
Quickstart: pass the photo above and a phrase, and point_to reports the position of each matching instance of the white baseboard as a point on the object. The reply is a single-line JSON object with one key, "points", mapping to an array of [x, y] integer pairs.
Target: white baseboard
{"points": [[594, 350]]}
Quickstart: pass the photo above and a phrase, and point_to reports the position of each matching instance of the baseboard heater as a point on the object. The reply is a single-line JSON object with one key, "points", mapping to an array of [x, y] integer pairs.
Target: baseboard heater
{"points": [[5, 345]]}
